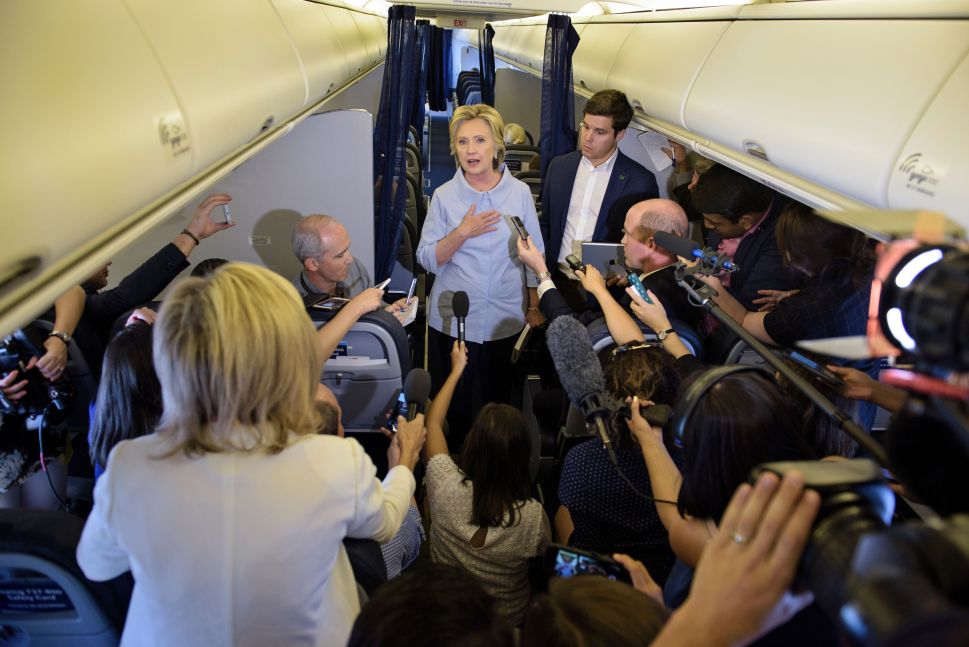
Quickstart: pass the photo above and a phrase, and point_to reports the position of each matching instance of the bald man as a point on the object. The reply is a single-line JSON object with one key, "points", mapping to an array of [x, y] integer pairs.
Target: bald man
{"points": [[655, 263]]}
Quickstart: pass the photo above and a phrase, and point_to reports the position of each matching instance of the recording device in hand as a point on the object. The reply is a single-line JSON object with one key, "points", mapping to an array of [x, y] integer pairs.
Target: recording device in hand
{"points": [[520, 226], [417, 388], [460, 305], [637, 284], [575, 263], [568, 561], [711, 262], [16, 350]]}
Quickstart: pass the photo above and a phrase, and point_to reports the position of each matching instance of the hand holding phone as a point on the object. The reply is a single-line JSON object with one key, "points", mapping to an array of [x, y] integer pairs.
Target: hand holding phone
{"points": [[227, 213], [566, 561], [637, 284], [575, 263]]}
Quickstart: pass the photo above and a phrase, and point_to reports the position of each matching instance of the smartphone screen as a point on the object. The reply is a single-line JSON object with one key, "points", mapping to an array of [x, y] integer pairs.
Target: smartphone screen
{"points": [[227, 213], [400, 409], [565, 561]]}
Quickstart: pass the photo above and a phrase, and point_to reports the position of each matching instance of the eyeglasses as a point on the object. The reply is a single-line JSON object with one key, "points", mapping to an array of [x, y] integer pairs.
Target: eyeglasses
{"points": [[635, 345]]}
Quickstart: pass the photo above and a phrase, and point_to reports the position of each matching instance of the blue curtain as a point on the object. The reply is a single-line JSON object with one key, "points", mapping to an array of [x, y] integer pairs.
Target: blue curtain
{"points": [[486, 63], [423, 58], [558, 103], [390, 134], [449, 76], [437, 70]]}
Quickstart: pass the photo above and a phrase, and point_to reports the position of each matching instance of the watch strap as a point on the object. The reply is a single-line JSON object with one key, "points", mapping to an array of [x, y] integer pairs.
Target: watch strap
{"points": [[63, 336], [663, 334]]}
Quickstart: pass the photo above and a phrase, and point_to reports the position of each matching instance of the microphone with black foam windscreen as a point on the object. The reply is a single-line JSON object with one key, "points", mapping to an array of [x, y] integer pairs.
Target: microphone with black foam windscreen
{"points": [[716, 262], [460, 305], [417, 388]]}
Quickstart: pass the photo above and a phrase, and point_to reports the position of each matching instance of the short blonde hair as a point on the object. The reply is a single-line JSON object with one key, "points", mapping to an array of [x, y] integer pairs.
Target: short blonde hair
{"points": [[515, 134], [487, 114], [236, 349]]}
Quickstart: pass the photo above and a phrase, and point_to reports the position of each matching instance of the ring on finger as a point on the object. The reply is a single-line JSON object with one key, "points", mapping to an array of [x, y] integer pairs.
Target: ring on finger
{"points": [[738, 538]]}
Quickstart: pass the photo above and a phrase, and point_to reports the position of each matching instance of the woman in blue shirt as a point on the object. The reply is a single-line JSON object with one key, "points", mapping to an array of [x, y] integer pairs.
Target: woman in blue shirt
{"points": [[469, 242]]}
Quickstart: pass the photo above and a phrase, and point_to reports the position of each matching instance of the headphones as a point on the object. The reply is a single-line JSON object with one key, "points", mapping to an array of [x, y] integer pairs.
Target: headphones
{"points": [[697, 389]]}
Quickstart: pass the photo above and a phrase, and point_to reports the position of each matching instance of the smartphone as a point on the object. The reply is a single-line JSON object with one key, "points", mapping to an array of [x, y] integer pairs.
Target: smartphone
{"points": [[410, 291], [815, 368], [566, 561], [575, 263], [227, 213], [383, 284], [637, 284], [400, 409], [520, 226]]}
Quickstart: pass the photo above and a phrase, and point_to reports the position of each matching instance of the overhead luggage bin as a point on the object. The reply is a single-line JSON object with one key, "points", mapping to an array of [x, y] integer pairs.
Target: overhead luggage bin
{"points": [[317, 44], [231, 64], [597, 53], [832, 101], [931, 170], [89, 125], [659, 61], [373, 30], [352, 41], [522, 43]]}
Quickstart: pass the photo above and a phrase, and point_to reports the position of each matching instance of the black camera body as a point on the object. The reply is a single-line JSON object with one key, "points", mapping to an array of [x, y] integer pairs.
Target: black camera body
{"points": [[16, 350], [876, 580]]}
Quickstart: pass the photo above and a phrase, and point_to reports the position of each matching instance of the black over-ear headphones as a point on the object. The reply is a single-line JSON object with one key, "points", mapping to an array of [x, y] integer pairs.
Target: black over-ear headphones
{"points": [[697, 389]]}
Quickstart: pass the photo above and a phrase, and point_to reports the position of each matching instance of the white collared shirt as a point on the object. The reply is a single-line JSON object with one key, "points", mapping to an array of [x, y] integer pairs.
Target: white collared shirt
{"points": [[587, 193]]}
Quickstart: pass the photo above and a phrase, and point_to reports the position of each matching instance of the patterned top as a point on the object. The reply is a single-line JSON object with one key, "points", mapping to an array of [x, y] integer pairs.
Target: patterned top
{"points": [[401, 551], [501, 564], [607, 514]]}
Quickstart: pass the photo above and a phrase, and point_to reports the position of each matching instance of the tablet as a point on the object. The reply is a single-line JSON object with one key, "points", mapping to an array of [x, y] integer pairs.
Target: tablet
{"points": [[608, 258]]}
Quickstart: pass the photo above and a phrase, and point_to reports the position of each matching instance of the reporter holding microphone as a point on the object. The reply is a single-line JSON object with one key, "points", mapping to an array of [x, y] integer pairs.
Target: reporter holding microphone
{"points": [[469, 243]]}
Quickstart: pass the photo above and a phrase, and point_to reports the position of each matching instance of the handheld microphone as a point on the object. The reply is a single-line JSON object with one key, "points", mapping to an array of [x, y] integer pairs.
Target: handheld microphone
{"points": [[460, 305], [580, 374], [417, 388], [717, 262]]}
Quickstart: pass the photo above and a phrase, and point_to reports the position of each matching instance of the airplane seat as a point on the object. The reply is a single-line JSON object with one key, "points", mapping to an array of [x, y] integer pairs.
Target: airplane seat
{"points": [[473, 96], [366, 371], [517, 157], [46, 598], [415, 194], [741, 353], [534, 181], [599, 334]]}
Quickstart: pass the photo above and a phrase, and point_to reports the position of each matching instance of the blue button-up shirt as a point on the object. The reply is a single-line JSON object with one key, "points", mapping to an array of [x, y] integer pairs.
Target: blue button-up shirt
{"points": [[487, 267]]}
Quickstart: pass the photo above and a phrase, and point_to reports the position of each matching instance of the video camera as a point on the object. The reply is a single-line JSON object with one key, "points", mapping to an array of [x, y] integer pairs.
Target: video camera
{"points": [[877, 580], [16, 350]]}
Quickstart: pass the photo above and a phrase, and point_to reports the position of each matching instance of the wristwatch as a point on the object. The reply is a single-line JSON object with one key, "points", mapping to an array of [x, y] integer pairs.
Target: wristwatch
{"points": [[63, 336], [663, 334], [543, 276]]}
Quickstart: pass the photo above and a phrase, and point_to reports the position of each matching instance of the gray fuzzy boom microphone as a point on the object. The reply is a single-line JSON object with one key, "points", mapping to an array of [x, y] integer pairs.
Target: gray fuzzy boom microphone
{"points": [[580, 374]]}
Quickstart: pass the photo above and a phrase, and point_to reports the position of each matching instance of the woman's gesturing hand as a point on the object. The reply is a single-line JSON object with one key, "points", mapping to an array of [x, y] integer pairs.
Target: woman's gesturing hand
{"points": [[474, 224]]}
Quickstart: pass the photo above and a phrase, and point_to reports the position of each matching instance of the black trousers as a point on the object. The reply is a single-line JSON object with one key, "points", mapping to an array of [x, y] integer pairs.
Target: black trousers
{"points": [[488, 377]]}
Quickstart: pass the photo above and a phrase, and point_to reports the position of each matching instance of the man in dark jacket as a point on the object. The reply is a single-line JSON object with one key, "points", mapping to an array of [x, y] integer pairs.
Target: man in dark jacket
{"points": [[580, 187]]}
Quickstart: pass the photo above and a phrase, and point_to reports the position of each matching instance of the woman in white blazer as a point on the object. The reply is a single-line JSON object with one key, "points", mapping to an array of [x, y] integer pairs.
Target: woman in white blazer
{"points": [[231, 516]]}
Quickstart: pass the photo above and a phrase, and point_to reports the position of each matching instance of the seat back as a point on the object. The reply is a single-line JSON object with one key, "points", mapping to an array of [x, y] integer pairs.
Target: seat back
{"points": [[534, 181], [367, 370], [44, 596], [518, 155]]}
